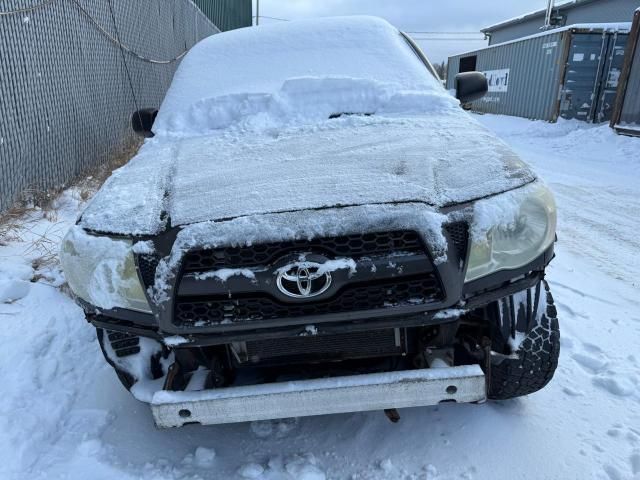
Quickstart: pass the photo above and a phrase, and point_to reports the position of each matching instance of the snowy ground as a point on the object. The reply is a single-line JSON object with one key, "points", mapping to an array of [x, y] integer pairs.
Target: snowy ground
{"points": [[63, 414]]}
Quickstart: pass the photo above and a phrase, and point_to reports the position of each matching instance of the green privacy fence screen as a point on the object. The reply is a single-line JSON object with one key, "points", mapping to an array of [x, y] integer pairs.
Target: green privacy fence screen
{"points": [[227, 14]]}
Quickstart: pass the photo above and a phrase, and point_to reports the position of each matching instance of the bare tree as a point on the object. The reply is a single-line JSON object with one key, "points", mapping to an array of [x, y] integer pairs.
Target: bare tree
{"points": [[441, 69]]}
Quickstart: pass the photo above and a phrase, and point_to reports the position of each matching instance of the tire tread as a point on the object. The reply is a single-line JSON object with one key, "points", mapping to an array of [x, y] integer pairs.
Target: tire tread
{"points": [[537, 357]]}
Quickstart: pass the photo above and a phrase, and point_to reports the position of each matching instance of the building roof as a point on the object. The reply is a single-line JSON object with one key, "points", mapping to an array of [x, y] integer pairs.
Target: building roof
{"points": [[619, 27], [563, 6]]}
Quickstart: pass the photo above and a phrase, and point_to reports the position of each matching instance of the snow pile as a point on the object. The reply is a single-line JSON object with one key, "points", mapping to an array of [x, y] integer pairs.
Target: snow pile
{"points": [[298, 467], [256, 62], [251, 470], [593, 144], [15, 277], [46, 349], [204, 457]]}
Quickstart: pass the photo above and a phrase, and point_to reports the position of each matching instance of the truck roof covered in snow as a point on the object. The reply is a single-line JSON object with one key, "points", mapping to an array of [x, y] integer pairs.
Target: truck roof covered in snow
{"points": [[257, 61]]}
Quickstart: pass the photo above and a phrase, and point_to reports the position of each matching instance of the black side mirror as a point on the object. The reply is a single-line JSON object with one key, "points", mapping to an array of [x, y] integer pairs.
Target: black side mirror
{"points": [[471, 86], [142, 121]]}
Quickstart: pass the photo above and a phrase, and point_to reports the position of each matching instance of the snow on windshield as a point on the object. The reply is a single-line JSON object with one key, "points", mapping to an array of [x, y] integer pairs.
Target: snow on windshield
{"points": [[321, 66]]}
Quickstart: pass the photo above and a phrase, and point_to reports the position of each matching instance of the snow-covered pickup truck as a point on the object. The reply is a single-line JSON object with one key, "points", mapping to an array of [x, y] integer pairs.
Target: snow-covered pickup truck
{"points": [[317, 227]]}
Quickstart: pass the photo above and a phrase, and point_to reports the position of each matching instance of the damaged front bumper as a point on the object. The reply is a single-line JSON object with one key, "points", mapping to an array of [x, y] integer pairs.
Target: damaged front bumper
{"points": [[376, 391], [400, 337]]}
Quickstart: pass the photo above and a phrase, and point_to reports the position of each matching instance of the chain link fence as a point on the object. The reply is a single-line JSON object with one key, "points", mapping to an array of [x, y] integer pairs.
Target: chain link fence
{"points": [[65, 99]]}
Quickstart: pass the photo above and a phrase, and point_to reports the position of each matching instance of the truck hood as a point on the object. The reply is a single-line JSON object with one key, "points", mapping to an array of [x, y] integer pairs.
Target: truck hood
{"points": [[439, 160]]}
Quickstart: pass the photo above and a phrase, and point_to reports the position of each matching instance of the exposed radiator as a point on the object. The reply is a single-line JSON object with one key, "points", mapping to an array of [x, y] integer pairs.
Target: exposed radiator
{"points": [[377, 343]]}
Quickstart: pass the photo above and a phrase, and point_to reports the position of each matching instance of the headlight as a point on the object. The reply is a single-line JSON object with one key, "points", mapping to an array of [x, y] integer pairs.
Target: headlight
{"points": [[102, 271], [511, 230]]}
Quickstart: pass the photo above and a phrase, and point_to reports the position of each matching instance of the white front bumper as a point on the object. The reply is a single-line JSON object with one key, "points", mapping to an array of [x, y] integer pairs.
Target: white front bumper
{"points": [[378, 391]]}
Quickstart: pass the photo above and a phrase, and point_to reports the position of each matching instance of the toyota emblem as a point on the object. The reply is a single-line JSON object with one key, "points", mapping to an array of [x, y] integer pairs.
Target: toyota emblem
{"points": [[303, 280]]}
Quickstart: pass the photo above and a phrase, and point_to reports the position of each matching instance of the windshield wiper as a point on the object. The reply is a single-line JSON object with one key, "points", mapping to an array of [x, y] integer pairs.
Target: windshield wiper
{"points": [[348, 114]]}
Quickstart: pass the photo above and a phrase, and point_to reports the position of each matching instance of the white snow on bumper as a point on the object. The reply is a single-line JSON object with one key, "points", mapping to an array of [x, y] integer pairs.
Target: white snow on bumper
{"points": [[379, 391]]}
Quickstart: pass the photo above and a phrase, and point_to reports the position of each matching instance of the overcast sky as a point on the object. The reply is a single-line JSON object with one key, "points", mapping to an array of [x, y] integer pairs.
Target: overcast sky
{"points": [[414, 15]]}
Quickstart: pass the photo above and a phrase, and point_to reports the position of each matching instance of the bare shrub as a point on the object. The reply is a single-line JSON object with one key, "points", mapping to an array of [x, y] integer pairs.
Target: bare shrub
{"points": [[18, 224]]}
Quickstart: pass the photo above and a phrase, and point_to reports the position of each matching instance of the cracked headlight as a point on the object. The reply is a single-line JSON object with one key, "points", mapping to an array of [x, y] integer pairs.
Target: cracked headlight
{"points": [[102, 271], [524, 227]]}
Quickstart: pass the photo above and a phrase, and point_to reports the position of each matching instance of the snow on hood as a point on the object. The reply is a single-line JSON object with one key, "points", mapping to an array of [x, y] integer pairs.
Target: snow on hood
{"points": [[441, 159]]}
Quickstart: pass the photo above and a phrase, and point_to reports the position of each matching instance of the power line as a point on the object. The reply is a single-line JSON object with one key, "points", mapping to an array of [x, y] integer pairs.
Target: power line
{"points": [[444, 33], [120, 44], [26, 9], [451, 39], [102, 30]]}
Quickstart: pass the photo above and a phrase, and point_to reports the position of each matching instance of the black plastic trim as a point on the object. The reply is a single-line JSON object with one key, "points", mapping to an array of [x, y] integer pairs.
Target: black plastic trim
{"points": [[489, 289], [451, 275], [145, 320]]}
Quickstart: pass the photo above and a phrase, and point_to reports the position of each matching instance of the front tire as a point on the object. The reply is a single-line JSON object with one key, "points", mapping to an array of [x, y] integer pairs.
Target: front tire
{"points": [[529, 334]]}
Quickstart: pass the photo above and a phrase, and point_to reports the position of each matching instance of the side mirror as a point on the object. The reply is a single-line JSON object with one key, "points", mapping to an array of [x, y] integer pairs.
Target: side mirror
{"points": [[142, 121], [471, 86]]}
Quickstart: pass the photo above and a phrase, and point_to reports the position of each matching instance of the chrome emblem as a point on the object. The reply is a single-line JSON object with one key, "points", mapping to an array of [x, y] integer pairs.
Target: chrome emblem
{"points": [[303, 280]]}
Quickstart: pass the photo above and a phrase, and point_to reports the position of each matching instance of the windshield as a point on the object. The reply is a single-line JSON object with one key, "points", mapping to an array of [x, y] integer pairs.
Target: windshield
{"points": [[345, 57]]}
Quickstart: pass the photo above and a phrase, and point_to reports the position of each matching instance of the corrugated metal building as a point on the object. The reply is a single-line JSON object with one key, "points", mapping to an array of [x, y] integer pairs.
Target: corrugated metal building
{"points": [[569, 72], [563, 14], [227, 14], [626, 117]]}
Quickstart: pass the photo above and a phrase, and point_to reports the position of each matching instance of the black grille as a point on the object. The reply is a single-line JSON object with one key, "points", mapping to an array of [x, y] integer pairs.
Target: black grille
{"points": [[390, 293], [353, 345], [353, 246], [147, 265], [459, 235], [124, 344]]}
